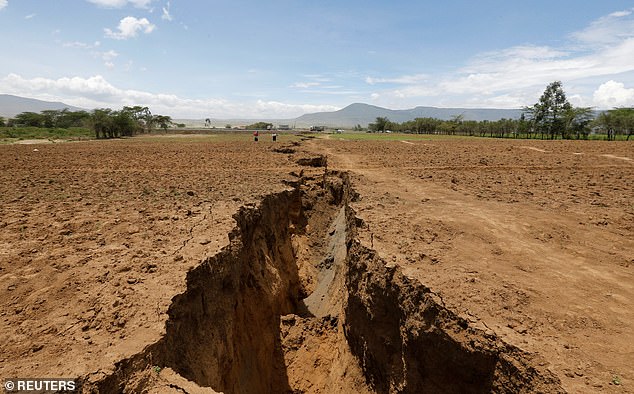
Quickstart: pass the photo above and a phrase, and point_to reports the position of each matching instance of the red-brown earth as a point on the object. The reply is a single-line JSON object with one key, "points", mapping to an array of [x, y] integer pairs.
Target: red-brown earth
{"points": [[522, 248]]}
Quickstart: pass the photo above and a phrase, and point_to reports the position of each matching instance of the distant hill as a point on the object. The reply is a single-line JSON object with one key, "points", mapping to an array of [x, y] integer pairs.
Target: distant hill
{"points": [[363, 114], [348, 117], [10, 105]]}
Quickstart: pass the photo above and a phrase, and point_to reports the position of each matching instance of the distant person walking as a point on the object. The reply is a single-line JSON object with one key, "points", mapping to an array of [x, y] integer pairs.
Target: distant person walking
{"points": [[274, 135], [255, 135]]}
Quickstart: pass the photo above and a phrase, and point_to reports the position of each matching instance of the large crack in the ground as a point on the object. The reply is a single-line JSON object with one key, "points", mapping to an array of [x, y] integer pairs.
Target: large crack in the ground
{"points": [[295, 303]]}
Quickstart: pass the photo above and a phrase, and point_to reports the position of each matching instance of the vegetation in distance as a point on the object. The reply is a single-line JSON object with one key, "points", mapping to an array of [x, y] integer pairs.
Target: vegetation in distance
{"points": [[32, 133], [552, 117], [100, 123], [357, 135]]}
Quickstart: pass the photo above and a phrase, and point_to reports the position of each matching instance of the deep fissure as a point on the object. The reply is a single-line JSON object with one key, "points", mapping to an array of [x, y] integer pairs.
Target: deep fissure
{"points": [[295, 303]]}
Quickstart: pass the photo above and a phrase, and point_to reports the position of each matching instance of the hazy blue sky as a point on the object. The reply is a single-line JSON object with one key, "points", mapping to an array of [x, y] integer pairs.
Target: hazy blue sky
{"points": [[275, 58]]}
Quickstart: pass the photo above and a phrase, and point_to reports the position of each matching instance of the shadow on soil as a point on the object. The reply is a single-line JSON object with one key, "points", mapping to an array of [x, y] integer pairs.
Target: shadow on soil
{"points": [[294, 293]]}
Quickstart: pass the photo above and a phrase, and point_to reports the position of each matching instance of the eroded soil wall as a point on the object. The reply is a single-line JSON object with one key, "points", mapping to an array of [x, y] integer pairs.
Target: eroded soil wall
{"points": [[243, 314], [407, 341], [224, 331]]}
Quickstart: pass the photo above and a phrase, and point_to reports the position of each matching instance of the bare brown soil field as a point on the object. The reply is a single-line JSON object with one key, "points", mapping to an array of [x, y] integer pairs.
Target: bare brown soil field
{"points": [[96, 239], [531, 240], [193, 265]]}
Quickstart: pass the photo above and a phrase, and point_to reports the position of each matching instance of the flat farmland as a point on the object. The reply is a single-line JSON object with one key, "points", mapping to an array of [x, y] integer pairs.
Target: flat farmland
{"points": [[110, 251]]}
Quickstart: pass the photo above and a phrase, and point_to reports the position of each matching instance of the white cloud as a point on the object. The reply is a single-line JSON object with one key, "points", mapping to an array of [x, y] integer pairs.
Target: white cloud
{"points": [[3, 3], [106, 56], [121, 3], [166, 13], [81, 45], [97, 92], [109, 55], [517, 75], [266, 108], [320, 84], [305, 85], [30, 16], [129, 27], [95, 86], [318, 77], [326, 91], [607, 29], [613, 94], [405, 79]]}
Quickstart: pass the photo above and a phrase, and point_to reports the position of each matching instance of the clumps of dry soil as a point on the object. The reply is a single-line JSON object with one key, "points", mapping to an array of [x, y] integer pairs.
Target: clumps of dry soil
{"points": [[295, 304]]}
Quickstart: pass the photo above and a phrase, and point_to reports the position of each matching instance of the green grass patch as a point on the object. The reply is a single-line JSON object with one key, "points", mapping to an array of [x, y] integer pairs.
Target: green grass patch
{"points": [[36, 133], [361, 136], [604, 137]]}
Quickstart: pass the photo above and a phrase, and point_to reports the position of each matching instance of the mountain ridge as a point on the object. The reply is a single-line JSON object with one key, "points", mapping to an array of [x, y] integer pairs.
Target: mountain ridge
{"points": [[347, 117], [363, 114], [11, 105]]}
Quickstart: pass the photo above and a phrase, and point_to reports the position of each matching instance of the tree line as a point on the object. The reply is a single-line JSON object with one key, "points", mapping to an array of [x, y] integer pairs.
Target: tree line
{"points": [[551, 117], [104, 122]]}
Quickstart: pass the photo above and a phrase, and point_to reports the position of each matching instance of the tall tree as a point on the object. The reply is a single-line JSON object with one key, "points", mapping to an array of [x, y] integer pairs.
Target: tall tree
{"points": [[101, 122], [125, 124], [548, 115], [141, 116]]}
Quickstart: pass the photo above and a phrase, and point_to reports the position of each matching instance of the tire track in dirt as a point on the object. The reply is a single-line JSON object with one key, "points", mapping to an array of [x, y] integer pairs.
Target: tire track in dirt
{"points": [[616, 157]]}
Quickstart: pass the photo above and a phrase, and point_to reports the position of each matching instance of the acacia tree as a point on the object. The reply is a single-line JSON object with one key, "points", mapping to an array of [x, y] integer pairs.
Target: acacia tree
{"points": [[49, 117], [29, 119], [426, 125], [576, 121], [141, 116], [101, 122], [617, 121], [626, 122], [380, 124], [260, 126], [523, 126], [127, 122], [112, 124], [163, 121]]}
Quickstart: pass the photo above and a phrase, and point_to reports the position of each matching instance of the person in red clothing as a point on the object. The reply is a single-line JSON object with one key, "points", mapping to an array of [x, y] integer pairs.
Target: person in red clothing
{"points": [[255, 135]]}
